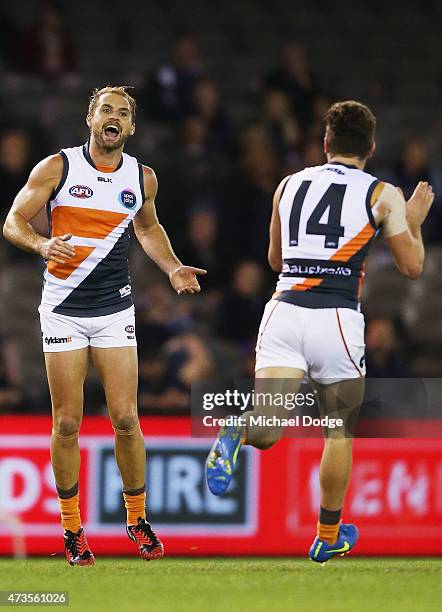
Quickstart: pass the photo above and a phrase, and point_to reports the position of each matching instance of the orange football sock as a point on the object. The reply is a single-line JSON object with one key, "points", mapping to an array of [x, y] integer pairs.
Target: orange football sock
{"points": [[135, 506], [70, 513], [328, 533]]}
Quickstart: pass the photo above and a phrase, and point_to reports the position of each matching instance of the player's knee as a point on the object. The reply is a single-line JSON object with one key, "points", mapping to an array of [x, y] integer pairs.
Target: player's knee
{"points": [[66, 425], [124, 423]]}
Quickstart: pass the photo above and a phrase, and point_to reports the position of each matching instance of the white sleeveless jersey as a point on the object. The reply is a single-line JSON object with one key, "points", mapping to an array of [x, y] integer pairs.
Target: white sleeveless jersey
{"points": [[327, 227], [97, 207]]}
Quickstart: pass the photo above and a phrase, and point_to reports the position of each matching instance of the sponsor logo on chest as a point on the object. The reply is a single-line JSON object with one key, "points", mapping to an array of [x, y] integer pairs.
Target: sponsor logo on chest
{"points": [[81, 191], [127, 198]]}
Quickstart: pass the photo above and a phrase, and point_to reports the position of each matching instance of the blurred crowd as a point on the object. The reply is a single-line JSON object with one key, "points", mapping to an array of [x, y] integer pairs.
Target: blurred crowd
{"points": [[216, 177]]}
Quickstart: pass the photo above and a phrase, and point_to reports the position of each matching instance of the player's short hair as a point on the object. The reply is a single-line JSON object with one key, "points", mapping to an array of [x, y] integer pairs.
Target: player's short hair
{"points": [[116, 89], [350, 129]]}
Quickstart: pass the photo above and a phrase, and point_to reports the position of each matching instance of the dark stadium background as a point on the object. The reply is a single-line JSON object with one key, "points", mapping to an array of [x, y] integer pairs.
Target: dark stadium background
{"points": [[230, 100]]}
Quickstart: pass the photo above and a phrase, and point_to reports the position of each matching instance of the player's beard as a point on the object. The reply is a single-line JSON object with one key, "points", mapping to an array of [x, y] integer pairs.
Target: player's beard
{"points": [[106, 145]]}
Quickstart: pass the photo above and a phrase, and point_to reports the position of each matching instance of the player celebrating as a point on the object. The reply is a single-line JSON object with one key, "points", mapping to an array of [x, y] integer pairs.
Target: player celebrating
{"points": [[93, 194], [323, 222]]}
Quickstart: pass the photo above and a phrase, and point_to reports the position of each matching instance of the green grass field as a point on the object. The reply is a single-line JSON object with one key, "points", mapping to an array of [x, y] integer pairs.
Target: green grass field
{"points": [[230, 585]]}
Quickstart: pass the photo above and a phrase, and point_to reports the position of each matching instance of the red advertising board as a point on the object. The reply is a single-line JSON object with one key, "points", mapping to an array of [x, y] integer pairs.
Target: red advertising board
{"points": [[395, 496]]}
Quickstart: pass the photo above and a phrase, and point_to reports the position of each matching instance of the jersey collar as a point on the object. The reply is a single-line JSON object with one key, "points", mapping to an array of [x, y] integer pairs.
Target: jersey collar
{"points": [[342, 164], [90, 161]]}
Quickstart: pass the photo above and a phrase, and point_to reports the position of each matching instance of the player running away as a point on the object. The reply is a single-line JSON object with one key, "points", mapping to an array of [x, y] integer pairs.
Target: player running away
{"points": [[324, 219], [93, 194]]}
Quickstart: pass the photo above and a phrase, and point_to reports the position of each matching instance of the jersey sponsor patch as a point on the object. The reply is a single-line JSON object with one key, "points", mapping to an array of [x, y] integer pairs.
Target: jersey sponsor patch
{"points": [[55, 340], [81, 191], [316, 268], [127, 198]]}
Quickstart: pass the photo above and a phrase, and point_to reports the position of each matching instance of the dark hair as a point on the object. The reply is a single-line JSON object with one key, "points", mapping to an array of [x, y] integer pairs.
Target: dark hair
{"points": [[350, 129], [116, 89]]}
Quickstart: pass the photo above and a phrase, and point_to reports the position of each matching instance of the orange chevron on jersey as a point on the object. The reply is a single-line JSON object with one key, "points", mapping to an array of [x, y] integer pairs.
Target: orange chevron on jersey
{"points": [[63, 271], [85, 222], [355, 244], [343, 254]]}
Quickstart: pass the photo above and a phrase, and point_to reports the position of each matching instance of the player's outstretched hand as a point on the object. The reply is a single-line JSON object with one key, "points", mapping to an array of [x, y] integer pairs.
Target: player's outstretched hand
{"points": [[419, 204], [183, 279], [56, 249]]}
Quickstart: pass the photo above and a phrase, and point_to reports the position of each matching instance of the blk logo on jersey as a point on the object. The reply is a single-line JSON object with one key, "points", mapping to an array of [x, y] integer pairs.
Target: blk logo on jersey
{"points": [[127, 198], [104, 179], [81, 191]]}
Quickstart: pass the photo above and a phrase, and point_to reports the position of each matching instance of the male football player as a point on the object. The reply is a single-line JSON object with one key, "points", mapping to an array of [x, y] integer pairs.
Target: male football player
{"points": [[323, 222], [93, 194]]}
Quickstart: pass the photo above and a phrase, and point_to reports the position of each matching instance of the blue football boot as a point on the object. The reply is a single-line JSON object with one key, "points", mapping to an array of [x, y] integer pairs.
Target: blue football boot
{"points": [[221, 461], [321, 552]]}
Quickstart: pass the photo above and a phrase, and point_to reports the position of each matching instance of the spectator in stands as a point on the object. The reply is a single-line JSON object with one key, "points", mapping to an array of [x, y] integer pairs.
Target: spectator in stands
{"points": [[195, 177], [321, 103], [281, 124], [10, 394], [413, 166], [15, 164], [46, 48], [248, 206], [242, 305], [167, 95], [204, 247], [171, 353], [383, 354], [294, 77], [206, 104], [160, 317], [158, 390], [254, 136], [8, 34], [190, 359], [313, 153]]}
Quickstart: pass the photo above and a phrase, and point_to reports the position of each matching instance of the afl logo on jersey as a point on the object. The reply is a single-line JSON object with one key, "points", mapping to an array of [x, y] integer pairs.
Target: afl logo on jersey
{"points": [[127, 198], [81, 191]]}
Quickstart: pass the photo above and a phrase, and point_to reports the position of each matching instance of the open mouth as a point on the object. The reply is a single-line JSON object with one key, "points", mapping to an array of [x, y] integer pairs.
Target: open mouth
{"points": [[112, 131]]}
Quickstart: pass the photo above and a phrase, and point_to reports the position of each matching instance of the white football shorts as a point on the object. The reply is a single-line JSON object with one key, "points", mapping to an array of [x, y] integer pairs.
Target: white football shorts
{"points": [[64, 333], [327, 343]]}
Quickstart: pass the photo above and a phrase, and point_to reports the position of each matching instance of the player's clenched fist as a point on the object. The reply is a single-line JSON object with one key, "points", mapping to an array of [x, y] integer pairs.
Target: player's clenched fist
{"points": [[57, 249], [419, 204], [183, 279]]}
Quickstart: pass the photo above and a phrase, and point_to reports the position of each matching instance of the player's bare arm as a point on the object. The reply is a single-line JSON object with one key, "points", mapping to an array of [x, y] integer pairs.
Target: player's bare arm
{"points": [[42, 181], [156, 244], [275, 253], [401, 222]]}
